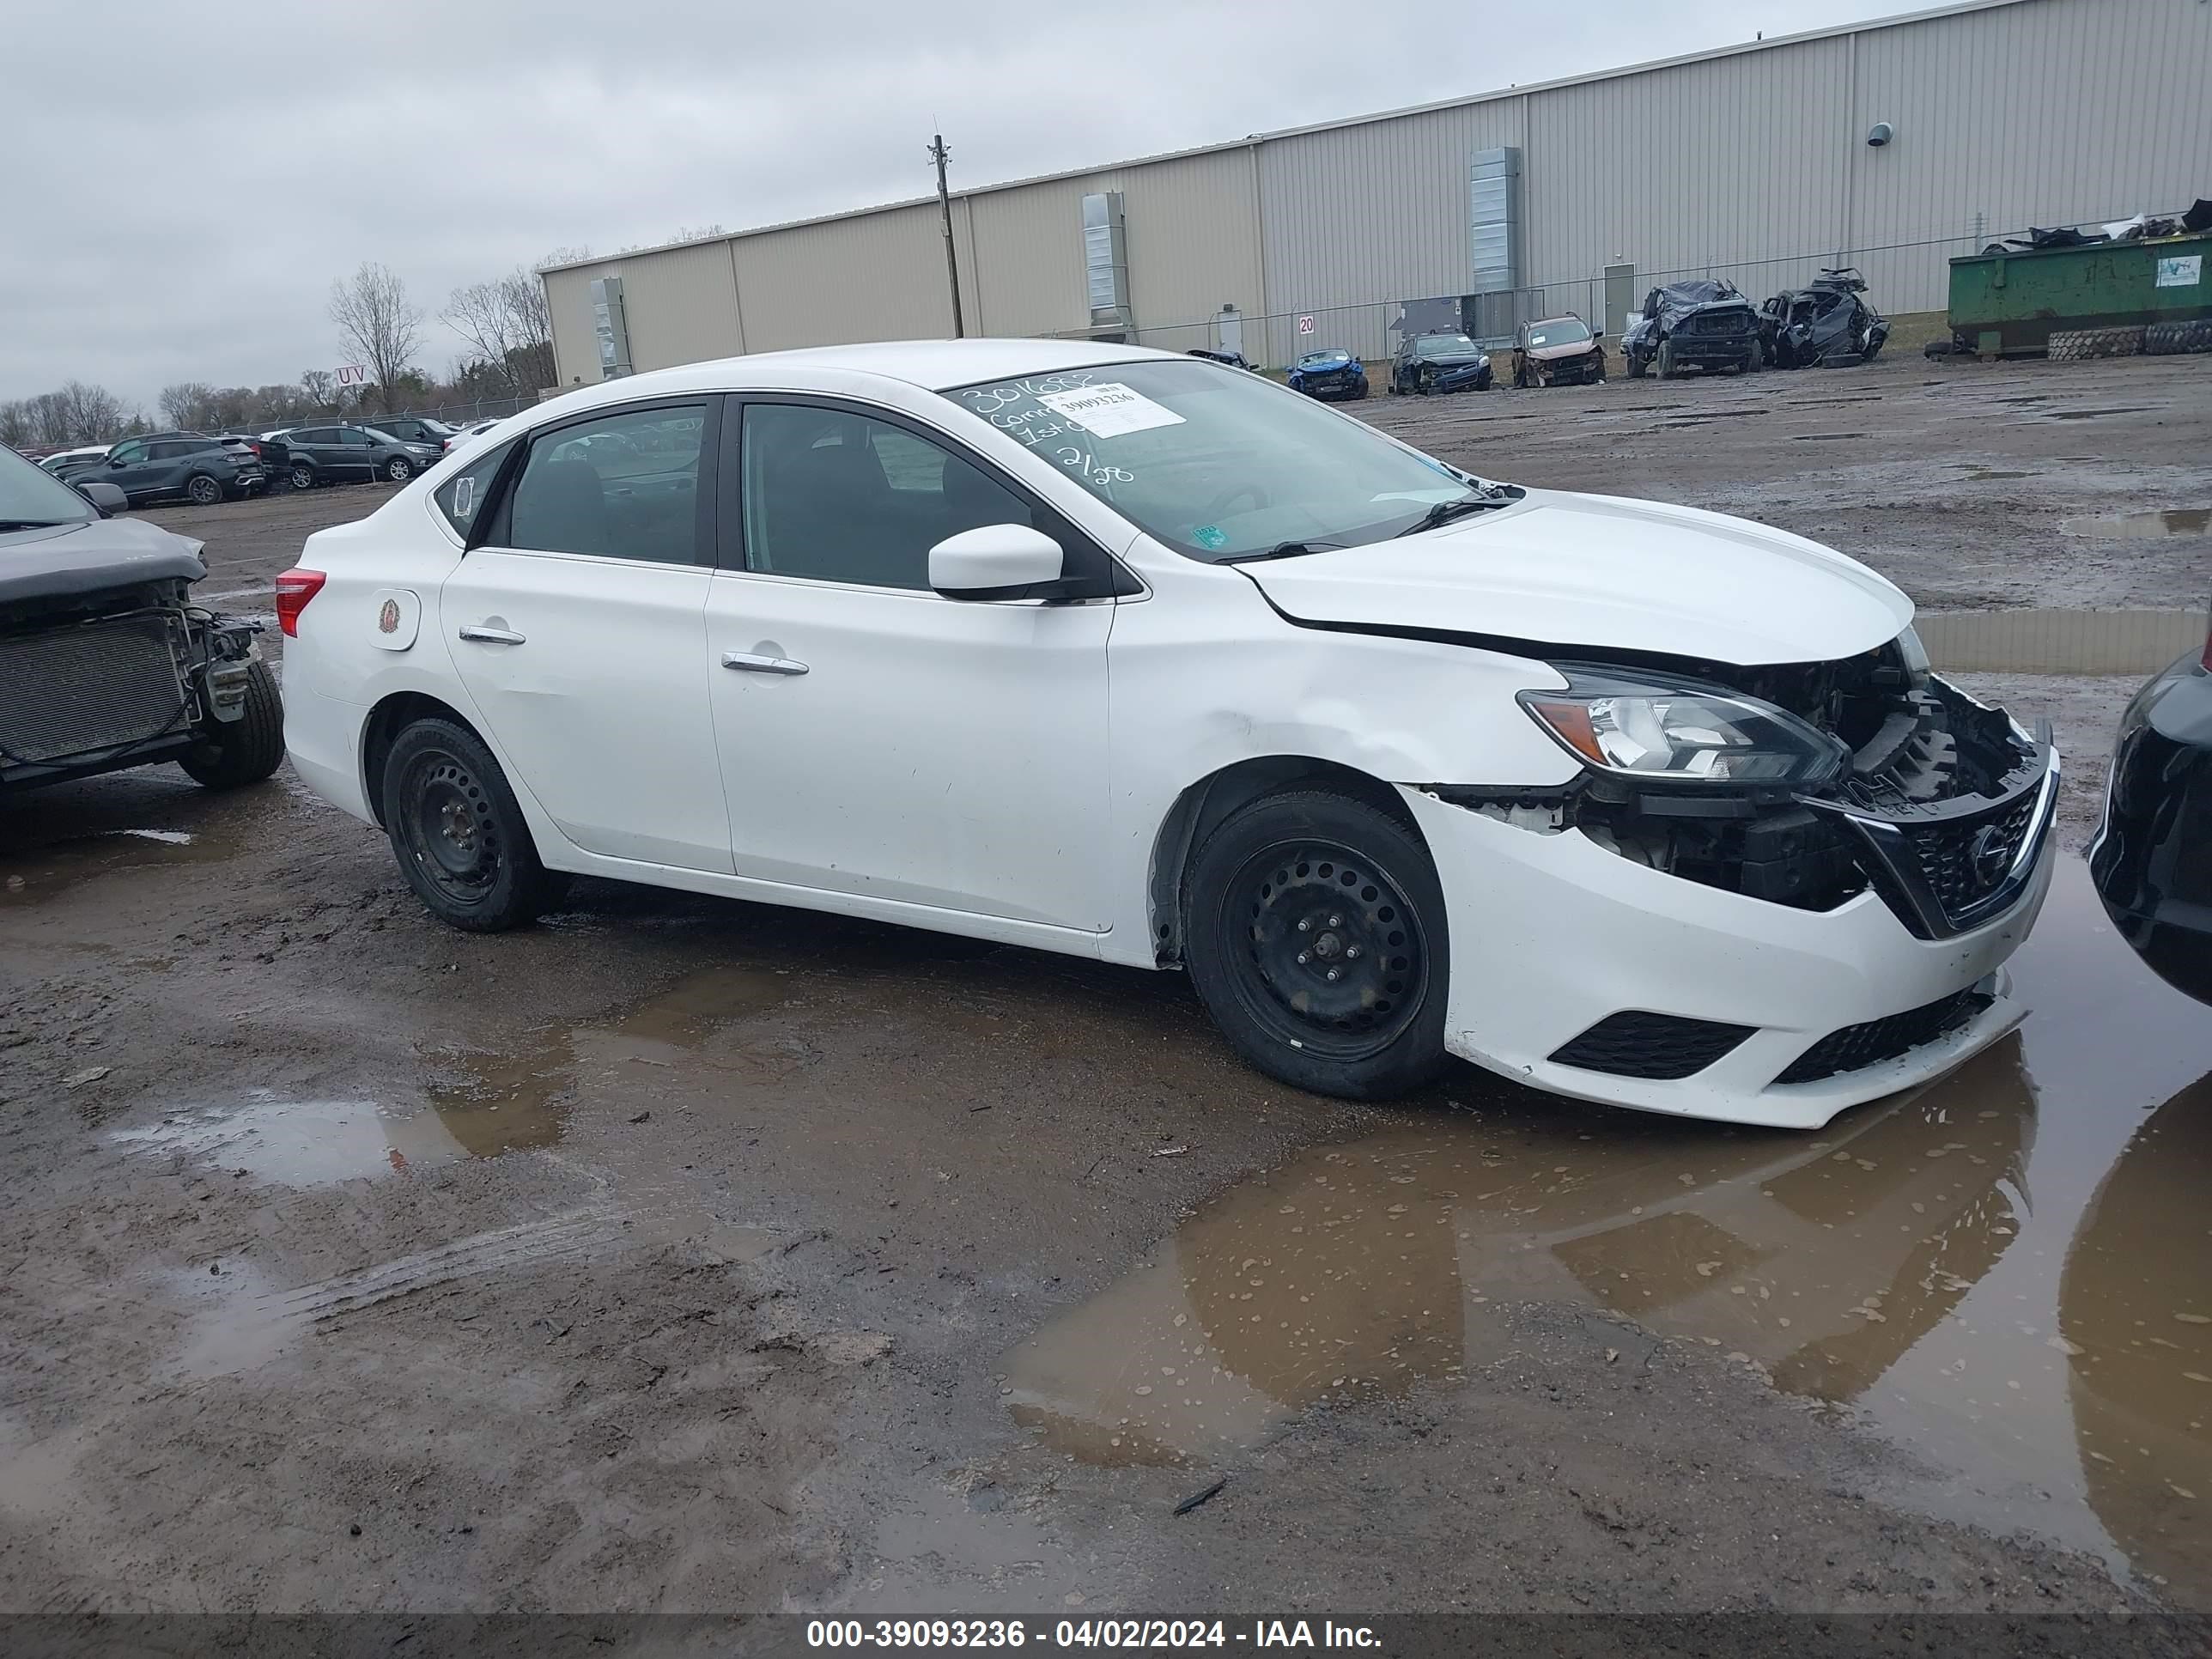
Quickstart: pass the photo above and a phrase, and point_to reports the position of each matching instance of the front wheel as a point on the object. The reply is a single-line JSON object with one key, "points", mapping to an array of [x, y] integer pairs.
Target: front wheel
{"points": [[234, 753], [1317, 940], [201, 490], [461, 840], [399, 469], [1635, 367]]}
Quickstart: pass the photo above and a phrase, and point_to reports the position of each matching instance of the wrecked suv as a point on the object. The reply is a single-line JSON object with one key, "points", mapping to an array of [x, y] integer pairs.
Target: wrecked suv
{"points": [[1704, 323], [105, 662], [1125, 657]]}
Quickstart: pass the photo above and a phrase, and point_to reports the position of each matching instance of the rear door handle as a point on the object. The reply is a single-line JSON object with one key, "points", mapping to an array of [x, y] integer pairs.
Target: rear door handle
{"points": [[745, 662], [492, 636]]}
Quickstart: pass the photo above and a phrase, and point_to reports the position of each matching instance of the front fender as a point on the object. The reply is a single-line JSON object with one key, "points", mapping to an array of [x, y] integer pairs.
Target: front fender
{"points": [[1207, 674]]}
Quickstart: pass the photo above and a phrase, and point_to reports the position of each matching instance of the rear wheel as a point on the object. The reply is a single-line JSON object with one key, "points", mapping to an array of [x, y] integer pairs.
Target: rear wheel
{"points": [[201, 490], [461, 840], [234, 753], [303, 476], [1317, 940]]}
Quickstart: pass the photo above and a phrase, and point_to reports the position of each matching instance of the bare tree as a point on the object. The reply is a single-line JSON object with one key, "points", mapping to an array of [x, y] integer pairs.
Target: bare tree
{"points": [[19, 426], [82, 413], [185, 405], [508, 327], [321, 388], [377, 321]]}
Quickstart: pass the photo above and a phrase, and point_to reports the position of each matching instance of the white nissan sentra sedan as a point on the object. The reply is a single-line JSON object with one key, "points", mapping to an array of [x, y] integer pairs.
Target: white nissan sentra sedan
{"points": [[1130, 655]]}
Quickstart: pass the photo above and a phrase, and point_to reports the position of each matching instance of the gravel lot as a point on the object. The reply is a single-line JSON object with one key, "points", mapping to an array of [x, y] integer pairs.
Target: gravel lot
{"points": [[680, 1254]]}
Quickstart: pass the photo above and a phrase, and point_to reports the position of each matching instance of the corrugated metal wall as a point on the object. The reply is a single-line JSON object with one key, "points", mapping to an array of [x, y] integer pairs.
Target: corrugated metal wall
{"points": [[1751, 165], [2046, 113], [1192, 240], [1379, 212]]}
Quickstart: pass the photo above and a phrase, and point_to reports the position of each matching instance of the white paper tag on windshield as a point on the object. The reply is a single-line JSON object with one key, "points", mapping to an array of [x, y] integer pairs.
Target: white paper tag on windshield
{"points": [[1110, 411]]}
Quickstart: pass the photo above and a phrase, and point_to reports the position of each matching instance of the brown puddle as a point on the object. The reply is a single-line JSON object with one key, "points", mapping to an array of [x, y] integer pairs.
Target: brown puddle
{"points": [[2139, 642], [2011, 1269], [39, 874], [2143, 526], [507, 1104]]}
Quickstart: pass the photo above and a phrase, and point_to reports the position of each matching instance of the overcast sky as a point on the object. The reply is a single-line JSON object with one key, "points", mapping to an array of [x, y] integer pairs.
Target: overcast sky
{"points": [[183, 182]]}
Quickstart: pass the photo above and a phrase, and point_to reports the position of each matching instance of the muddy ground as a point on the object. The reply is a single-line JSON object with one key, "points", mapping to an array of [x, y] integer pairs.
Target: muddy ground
{"points": [[680, 1254]]}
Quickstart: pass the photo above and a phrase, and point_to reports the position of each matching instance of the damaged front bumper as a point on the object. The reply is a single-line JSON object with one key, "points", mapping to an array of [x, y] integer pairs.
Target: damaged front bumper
{"points": [[1864, 956]]}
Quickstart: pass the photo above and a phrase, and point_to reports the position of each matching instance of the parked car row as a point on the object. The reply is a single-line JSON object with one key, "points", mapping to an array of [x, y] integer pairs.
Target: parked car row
{"points": [[1703, 324]]}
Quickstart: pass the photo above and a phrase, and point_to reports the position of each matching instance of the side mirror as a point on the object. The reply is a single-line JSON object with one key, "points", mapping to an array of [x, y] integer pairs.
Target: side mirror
{"points": [[116, 460], [105, 496], [995, 562]]}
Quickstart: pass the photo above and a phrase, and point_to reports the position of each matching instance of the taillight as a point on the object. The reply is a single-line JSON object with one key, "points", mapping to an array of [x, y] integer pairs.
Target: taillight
{"points": [[295, 587]]}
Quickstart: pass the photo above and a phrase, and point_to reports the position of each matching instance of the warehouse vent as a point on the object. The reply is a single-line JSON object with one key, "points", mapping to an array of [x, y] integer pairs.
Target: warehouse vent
{"points": [[1493, 215], [613, 327], [1106, 261]]}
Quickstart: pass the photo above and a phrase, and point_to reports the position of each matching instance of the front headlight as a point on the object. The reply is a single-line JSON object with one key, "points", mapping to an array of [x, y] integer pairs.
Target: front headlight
{"points": [[1658, 730]]}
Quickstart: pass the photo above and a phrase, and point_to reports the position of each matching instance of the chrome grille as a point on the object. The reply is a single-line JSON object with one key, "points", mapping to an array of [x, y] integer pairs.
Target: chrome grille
{"points": [[70, 690]]}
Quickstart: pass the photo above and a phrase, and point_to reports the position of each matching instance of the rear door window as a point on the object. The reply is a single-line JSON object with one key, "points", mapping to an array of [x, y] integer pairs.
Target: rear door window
{"points": [[625, 485]]}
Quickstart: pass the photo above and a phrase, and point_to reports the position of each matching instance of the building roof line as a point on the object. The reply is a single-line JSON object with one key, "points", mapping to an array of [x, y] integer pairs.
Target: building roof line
{"points": [[1833, 31]]}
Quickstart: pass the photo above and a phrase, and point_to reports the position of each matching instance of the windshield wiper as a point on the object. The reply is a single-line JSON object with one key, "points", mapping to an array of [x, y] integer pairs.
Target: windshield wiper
{"points": [[1284, 550], [33, 524], [1445, 511]]}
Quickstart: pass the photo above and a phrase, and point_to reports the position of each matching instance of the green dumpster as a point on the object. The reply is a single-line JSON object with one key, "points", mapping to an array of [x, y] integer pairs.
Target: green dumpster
{"points": [[2009, 304]]}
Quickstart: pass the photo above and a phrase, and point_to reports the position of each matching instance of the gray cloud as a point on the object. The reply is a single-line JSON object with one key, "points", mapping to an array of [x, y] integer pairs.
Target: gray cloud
{"points": [[185, 182]]}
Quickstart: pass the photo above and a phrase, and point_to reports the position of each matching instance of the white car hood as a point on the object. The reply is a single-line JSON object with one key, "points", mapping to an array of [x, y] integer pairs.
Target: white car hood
{"points": [[1603, 573]]}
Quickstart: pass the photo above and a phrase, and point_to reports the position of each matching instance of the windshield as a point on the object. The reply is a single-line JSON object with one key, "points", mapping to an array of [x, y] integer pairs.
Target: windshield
{"points": [[30, 498], [1217, 464], [1445, 345], [1566, 332]]}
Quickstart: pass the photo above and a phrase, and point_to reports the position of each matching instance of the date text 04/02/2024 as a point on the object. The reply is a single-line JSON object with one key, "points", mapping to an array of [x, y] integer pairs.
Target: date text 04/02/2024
{"points": [[1084, 1633]]}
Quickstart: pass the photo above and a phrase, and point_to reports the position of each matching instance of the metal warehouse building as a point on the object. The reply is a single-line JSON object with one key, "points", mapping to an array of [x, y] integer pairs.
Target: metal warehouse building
{"points": [[1756, 162]]}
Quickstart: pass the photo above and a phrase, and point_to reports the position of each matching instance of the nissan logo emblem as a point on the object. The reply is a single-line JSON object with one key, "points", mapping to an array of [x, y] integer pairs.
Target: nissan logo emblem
{"points": [[1988, 856]]}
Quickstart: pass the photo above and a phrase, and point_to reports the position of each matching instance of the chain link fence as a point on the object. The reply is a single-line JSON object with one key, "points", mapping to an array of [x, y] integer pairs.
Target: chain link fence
{"points": [[1903, 279]]}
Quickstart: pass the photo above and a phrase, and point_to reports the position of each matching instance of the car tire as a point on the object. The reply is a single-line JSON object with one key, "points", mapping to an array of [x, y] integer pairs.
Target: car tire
{"points": [[1357, 883], [1667, 369], [303, 476], [399, 469], [1359, 390], [234, 753], [1635, 366], [1758, 358], [460, 839], [202, 489]]}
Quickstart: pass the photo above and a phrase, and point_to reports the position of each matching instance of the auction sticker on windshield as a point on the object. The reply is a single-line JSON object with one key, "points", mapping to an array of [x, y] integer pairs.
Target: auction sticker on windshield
{"points": [[1111, 411]]}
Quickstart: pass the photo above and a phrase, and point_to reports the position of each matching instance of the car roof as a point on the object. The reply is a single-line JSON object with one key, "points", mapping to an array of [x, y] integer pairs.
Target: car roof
{"points": [[932, 365]]}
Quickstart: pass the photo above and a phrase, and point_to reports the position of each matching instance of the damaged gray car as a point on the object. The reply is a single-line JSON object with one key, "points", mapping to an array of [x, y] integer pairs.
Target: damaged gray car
{"points": [[1827, 323], [105, 662]]}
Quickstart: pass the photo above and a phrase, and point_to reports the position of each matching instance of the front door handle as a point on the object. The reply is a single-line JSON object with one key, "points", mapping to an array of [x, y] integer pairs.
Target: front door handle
{"points": [[491, 635], [746, 662]]}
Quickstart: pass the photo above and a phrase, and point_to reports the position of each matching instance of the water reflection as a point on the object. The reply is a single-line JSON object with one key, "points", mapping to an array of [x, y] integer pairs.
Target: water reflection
{"points": [[2135, 1312], [1363, 1269]]}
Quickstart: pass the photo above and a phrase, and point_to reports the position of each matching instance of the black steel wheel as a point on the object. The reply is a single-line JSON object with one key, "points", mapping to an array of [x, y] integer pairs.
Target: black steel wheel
{"points": [[1316, 939], [460, 839]]}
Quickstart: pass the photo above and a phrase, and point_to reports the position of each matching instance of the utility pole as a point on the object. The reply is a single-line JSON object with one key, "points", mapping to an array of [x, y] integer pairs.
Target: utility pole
{"points": [[941, 155]]}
